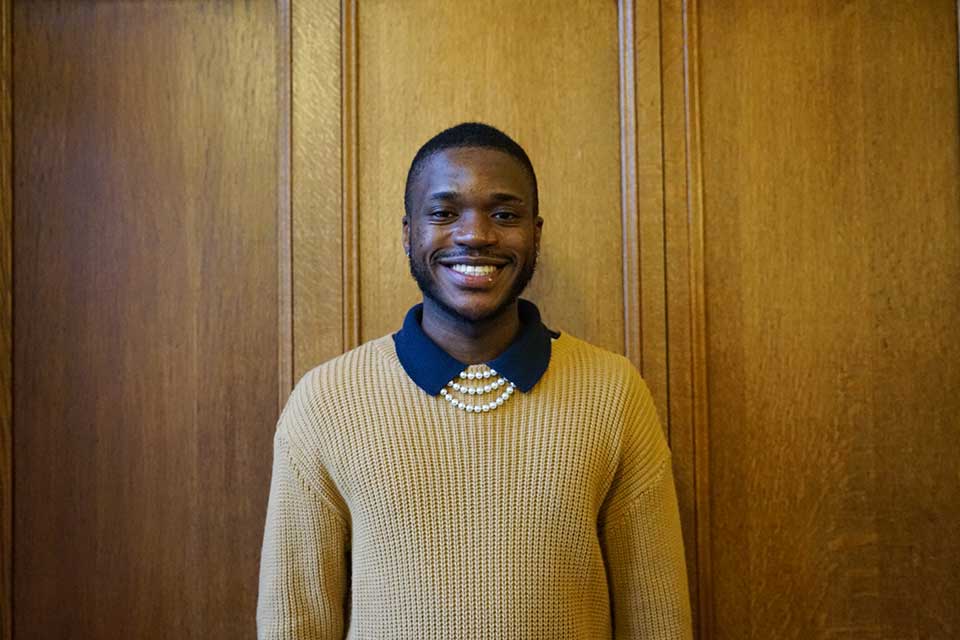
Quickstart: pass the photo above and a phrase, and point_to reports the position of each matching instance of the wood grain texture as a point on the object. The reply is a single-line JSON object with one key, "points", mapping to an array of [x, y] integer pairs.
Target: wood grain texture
{"points": [[6, 322], [546, 73], [832, 255], [146, 315], [686, 426], [699, 375], [317, 174]]}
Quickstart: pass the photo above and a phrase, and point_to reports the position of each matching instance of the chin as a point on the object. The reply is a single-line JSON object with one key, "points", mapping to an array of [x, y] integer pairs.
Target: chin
{"points": [[471, 312]]}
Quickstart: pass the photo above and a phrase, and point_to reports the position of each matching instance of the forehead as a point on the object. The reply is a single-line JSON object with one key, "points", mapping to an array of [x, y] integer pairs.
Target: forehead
{"points": [[473, 170]]}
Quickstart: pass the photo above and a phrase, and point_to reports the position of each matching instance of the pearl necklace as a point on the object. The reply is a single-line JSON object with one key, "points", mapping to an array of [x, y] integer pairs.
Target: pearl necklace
{"points": [[480, 373]]}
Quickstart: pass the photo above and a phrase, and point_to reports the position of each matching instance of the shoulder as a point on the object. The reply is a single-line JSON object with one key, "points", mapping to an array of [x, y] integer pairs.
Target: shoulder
{"points": [[331, 376], [616, 385], [600, 368], [321, 398]]}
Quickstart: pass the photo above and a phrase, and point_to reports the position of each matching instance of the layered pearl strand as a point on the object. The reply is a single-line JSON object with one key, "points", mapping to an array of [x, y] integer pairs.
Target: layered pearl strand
{"points": [[480, 380]]}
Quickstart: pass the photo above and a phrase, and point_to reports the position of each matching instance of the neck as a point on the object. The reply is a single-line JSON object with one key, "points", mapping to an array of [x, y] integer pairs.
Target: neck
{"points": [[470, 342]]}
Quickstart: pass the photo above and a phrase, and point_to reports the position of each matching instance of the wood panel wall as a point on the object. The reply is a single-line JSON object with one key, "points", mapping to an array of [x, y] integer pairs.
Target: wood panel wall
{"points": [[146, 317], [758, 206], [831, 219]]}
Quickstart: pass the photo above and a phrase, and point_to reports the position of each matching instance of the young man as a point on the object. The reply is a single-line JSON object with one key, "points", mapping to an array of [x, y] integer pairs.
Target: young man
{"points": [[474, 475]]}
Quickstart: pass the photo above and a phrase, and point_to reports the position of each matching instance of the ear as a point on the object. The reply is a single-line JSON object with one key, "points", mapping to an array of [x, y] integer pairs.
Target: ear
{"points": [[406, 235], [538, 230]]}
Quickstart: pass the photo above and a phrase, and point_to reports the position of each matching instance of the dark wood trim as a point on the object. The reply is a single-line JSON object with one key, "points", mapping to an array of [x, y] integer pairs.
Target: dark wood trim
{"points": [[351, 179], [698, 318], [284, 198], [632, 311], [6, 320]]}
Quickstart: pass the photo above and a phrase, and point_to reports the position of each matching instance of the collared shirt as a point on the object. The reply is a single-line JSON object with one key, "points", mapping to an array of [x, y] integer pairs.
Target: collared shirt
{"points": [[523, 363]]}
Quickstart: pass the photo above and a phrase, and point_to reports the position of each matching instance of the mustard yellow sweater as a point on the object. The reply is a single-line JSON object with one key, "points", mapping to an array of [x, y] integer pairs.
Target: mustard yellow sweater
{"points": [[393, 514]]}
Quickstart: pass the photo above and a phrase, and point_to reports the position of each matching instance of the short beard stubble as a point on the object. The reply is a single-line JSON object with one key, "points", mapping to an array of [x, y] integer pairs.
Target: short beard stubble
{"points": [[421, 273]]}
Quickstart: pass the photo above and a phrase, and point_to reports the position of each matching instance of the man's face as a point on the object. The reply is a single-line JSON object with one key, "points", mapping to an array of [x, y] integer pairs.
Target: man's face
{"points": [[471, 232]]}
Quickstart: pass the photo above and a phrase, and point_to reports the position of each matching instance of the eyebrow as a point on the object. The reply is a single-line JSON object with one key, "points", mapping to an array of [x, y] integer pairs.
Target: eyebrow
{"points": [[506, 197], [496, 197], [444, 195]]}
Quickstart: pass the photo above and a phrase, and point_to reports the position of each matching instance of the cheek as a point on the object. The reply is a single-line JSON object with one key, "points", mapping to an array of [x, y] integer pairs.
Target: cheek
{"points": [[425, 240]]}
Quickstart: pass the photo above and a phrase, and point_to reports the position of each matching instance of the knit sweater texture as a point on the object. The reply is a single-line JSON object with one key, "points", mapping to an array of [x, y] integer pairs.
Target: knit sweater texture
{"points": [[393, 514]]}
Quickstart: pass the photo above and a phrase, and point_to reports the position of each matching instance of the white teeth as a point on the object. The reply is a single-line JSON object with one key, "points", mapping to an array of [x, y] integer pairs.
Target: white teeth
{"points": [[474, 270]]}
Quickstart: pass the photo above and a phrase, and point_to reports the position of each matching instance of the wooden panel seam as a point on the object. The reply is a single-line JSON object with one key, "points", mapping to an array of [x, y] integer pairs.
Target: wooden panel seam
{"points": [[284, 210], [632, 320], [6, 321], [697, 317], [351, 178]]}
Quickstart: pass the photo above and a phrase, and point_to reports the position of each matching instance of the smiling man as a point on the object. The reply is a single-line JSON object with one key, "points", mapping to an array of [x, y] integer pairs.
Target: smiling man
{"points": [[475, 474]]}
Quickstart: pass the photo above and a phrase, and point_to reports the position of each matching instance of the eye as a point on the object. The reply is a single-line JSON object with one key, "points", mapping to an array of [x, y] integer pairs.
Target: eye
{"points": [[505, 214], [442, 214]]}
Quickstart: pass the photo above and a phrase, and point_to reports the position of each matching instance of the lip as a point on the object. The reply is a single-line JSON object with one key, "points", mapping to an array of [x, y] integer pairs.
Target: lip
{"points": [[474, 262]]}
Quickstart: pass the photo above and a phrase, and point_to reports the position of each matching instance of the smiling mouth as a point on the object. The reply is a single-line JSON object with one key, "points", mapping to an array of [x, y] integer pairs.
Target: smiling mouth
{"points": [[473, 276]]}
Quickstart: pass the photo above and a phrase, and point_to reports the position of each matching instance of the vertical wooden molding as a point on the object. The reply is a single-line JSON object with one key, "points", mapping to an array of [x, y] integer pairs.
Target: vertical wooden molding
{"points": [[6, 321], [349, 142], [642, 195], [284, 211], [632, 320], [650, 219], [698, 318]]}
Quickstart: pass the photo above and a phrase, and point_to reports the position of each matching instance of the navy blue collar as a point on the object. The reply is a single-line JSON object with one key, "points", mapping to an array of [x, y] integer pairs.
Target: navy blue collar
{"points": [[523, 363]]}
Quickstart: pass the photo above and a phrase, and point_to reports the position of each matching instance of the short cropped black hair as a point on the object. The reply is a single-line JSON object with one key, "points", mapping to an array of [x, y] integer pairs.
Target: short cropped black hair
{"points": [[469, 134]]}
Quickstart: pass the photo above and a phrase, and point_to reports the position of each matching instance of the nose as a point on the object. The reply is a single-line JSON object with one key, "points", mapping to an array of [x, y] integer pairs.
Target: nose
{"points": [[474, 229]]}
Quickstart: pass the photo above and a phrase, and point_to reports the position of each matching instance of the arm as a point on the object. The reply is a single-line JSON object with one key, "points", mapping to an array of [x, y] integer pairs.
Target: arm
{"points": [[303, 572], [646, 567], [640, 533]]}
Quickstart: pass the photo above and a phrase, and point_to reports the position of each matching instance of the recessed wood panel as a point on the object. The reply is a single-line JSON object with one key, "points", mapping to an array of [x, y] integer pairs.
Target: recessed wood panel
{"points": [[317, 186], [145, 315], [832, 236], [544, 72]]}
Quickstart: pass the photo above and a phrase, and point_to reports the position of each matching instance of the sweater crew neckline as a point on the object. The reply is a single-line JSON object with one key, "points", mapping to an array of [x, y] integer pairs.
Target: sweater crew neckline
{"points": [[523, 362]]}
